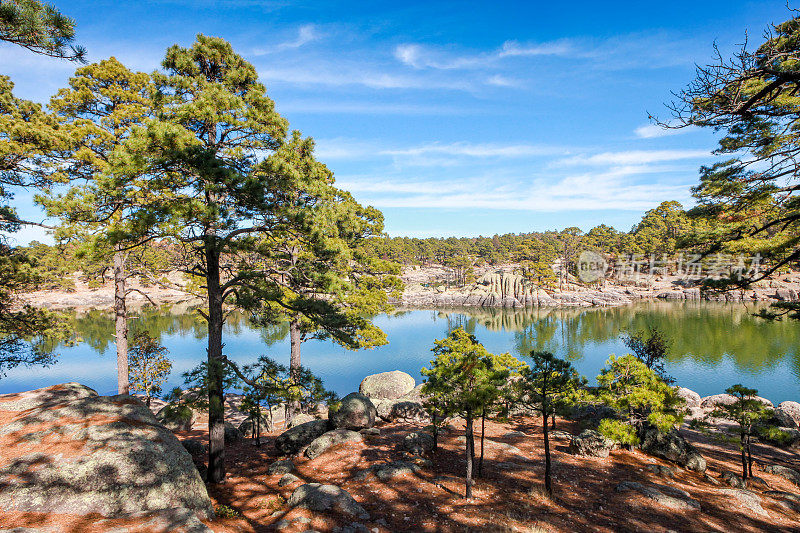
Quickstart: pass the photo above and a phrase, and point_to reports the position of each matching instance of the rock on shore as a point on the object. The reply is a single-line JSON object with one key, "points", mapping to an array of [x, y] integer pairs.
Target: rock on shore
{"points": [[67, 450]]}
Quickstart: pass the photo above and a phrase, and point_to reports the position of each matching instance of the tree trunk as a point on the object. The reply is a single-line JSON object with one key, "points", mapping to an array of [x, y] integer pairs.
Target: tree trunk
{"points": [[257, 426], [547, 485], [553, 425], [749, 458], [121, 323], [435, 429], [294, 364], [470, 453], [216, 410], [744, 456], [483, 432]]}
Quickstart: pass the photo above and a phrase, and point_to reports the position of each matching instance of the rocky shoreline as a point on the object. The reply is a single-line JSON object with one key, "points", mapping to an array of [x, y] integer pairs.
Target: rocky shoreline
{"points": [[424, 288], [504, 289]]}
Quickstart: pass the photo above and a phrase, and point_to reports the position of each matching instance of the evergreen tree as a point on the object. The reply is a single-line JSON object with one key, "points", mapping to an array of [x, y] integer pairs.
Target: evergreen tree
{"points": [[547, 378], [149, 365], [99, 110], [749, 203], [318, 274], [199, 157], [462, 379], [639, 395], [651, 349], [746, 411], [39, 27]]}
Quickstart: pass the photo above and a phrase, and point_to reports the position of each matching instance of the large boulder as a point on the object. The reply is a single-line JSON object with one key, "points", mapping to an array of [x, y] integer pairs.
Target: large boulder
{"points": [[248, 426], [300, 418], [387, 385], [295, 439], [417, 443], [176, 417], [232, 434], [318, 497], [408, 412], [68, 451], [672, 447], [710, 402], [792, 409], [691, 398], [590, 443], [355, 411], [671, 497], [326, 440], [784, 471]]}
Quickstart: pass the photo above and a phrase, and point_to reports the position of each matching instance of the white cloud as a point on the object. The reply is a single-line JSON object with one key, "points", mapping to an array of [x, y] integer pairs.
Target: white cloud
{"points": [[305, 34], [652, 131], [479, 150], [633, 157], [502, 81], [420, 57], [553, 48]]}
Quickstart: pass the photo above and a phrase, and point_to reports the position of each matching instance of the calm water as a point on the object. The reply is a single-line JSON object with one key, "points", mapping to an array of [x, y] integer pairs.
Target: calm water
{"points": [[713, 345]]}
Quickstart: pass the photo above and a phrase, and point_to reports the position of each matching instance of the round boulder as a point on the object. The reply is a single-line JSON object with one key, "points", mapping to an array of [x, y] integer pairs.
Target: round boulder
{"points": [[295, 439], [318, 497], [710, 402], [387, 385], [326, 440], [300, 418], [248, 427], [590, 443], [408, 412], [792, 409], [418, 443], [232, 435], [176, 417], [691, 398], [355, 412]]}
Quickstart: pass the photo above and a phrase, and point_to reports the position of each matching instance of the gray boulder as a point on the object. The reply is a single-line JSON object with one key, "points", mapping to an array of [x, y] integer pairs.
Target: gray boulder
{"points": [[672, 447], [318, 497], [671, 497], [732, 479], [280, 467], [386, 385], [405, 411], [691, 398], [418, 443], [784, 471], [326, 440], [128, 462], [747, 499], [590, 443], [355, 411], [300, 418], [387, 471], [710, 402], [792, 409], [288, 479], [176, 417], [295, 439], [232, 434], [194, 446], [782, 418]]}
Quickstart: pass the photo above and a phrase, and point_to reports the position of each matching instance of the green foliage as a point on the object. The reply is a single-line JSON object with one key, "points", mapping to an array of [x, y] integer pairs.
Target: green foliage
{"points": [[39, 27], [748, 202], [223, 511], [463, 379], [650, 348], [628, 386], [618, 431], [746, 411], [197, 383], [775, 435], [148, 365]]}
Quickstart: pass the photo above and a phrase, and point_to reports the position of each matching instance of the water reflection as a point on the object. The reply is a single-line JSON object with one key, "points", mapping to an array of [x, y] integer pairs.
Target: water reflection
{"points": [[713, 345]]}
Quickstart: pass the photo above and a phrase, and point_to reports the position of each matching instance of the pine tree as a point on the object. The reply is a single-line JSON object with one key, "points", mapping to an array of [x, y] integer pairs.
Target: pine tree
{"points": [[149, 365], [39, 27], [320, 277], [639, 395], [748, 202], [547, 378], [746, 411], [461, 380], [99, 110]]}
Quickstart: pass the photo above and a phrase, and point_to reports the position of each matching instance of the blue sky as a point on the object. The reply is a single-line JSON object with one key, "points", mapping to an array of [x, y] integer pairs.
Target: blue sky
{"points": [[454, 118]]}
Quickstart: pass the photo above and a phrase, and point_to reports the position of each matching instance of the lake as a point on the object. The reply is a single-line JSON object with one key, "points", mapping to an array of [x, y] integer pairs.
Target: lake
{"points": [[713, 345]]}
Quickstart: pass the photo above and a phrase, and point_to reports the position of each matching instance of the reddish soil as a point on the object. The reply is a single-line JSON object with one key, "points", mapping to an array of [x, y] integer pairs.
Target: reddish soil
{"points": [[509, 495]]}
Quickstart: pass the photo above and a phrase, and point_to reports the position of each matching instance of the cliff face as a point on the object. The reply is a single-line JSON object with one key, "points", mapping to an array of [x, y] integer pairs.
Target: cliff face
{"points": [[508, 290]]}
